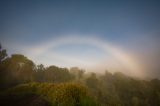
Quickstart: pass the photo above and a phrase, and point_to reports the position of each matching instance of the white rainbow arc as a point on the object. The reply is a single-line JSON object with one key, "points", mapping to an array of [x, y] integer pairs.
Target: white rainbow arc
{"points": [[129, 62]]}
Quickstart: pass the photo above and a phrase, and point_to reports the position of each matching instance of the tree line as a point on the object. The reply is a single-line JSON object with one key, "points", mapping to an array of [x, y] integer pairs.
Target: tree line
{"points": [[106, 89]]}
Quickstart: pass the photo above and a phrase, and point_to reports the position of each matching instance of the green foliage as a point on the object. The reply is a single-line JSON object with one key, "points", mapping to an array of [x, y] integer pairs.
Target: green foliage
{"points": [[135, 101], [64, 94], [56, 74], [16, 69]]}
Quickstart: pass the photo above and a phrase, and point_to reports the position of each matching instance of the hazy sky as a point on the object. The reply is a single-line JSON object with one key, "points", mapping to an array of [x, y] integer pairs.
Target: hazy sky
{"points": [[118, 35]]}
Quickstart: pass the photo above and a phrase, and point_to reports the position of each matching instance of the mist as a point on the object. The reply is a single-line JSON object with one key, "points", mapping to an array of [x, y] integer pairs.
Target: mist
{"points": [[79, 53]]}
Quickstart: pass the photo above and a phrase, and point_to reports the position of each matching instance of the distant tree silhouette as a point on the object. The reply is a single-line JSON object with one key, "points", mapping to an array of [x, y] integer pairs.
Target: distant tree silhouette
{"points": [[3, 73], [3, 53], [78, 73]]}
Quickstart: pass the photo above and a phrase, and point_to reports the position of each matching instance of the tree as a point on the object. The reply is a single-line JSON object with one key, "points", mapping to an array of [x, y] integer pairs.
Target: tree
{"points": [[56, 74], [3, 56], [17, 69], [39, 73], [3, 53], [78, 73], [92, 81]]}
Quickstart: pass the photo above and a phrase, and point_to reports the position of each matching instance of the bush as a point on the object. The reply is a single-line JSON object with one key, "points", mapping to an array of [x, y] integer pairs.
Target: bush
{"points": [[63, 94]]}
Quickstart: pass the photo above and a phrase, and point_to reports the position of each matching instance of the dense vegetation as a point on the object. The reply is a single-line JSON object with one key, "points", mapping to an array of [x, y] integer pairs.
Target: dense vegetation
{"points": [[22, 82]]}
